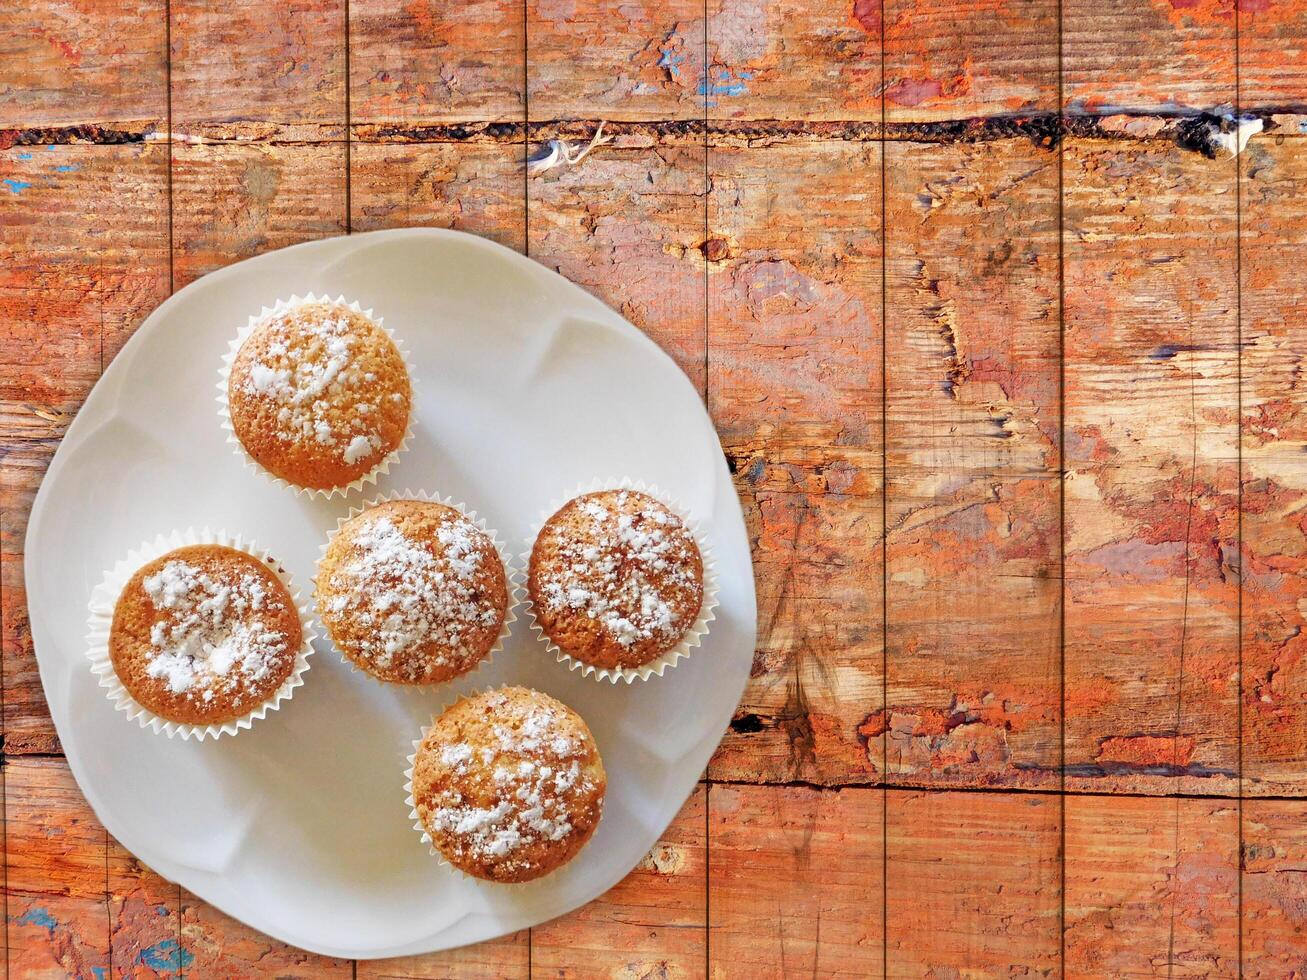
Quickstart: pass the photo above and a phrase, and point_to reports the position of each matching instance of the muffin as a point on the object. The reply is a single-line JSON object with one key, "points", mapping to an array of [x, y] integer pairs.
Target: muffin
{"points": [[318, 394], [508, 784], [616, 579], [204, 634], [412, 592]]}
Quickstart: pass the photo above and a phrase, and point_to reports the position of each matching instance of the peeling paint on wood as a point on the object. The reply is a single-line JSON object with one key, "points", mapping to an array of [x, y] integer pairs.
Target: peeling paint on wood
{"points": [[428, 61], [972, 379], [945, 60], [1273, 432], [1151, 452]]}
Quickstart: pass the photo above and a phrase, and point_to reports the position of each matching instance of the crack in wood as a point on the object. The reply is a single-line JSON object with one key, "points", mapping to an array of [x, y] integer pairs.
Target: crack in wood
{"points": [[1045, 129]]}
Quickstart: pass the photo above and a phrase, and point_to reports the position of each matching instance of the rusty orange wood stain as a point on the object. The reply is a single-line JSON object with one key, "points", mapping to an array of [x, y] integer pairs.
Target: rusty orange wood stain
{"points": [[1010, 379]]}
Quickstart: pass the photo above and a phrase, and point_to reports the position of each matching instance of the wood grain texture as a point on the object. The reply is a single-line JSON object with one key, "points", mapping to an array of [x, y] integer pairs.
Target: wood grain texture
{"points": [[1151, 887], [234, 201], [508, 958], [794, 284], [946, 59], [1151, 374], [973, 884], [1272, 52], [419, 62], [215, 945], [972, 376], [593, 59], [145, 938], [1274, 888], [288, 80], [470, 187], [68, 61], [794, 882], [1147, 54], [1273, 428], [751, 250], [653, 924], [807, 60], [58, 913]]}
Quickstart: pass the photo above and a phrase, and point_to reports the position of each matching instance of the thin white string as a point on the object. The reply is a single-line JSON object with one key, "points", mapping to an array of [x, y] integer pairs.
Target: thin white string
{"points": [[562, 153]]}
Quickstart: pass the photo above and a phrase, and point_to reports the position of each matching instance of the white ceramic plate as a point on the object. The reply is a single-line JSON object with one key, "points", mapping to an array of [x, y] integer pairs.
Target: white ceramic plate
{"points": [[527, 386]]}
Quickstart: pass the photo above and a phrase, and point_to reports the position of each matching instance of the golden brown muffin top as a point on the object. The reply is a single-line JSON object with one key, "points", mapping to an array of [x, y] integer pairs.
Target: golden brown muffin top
{"points": [[509, 784], [616, 578], [412, 592], [319, 394], [204, 634]]}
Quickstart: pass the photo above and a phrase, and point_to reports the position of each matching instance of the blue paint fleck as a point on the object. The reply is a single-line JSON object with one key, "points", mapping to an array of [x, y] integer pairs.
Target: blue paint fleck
{"points": [[67, 168], [52, 147], [672, 62], [162, 910], [168, 955], [24, 156], [17, 186], [726, 83], [99, 972], [38, 916]]}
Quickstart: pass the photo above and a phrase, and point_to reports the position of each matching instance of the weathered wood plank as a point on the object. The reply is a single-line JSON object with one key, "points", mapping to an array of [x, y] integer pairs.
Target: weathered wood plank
{"points": [[794, 302], [419, 62], [972, 373], [794, 882], [252, 69], [67, 62], [1272, 53], [56, 874], [82, 259], [591, 59], [946, 59], [1147, 54], [653, 924], [973, 884], [1274, 888], [472, 187], [806, 60], [628, 225], [216, 945], [233, 201], [1151, 887], [1273, 238], [1151, 508], [508, 958], [144, 918]]}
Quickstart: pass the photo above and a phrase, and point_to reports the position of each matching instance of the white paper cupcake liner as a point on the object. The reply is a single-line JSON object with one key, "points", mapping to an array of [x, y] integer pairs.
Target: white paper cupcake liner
{"points": [[224, 409], [697, 630], [104, 597], [420, 827], [514, 575]]}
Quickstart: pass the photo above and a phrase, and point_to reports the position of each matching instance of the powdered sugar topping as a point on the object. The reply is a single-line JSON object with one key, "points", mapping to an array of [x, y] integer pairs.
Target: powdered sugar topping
{"points": [[628, 563], [421, 601], [217, 636], [308, 372], [536, 778]]}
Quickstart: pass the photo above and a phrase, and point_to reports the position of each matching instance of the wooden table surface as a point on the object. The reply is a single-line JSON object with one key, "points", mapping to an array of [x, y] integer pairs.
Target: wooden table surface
{"points": [[1011, 378]]}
